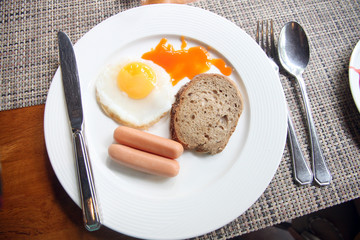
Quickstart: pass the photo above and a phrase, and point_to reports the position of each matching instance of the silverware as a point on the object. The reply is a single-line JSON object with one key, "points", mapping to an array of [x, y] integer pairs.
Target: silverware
{"points": [[72, 92], [302, 172], [294, 55]]}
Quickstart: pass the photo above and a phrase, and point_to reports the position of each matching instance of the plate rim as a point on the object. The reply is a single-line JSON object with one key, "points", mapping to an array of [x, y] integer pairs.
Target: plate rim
{"points": [[167, 7], [355, 88]]}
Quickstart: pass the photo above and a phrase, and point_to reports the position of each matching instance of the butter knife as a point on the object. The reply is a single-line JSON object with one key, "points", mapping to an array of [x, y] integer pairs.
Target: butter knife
{"points": [[72, 92]]}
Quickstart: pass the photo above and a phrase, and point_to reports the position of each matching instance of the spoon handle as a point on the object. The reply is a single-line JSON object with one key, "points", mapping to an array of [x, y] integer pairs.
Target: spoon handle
{"points": [[302, 173], [321, 173]]}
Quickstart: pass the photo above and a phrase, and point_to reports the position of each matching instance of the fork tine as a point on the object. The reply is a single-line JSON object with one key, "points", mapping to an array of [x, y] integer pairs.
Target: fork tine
{"points": [[262, 35], [257, 31], [265, 37], [272, 43], [267, 47]]}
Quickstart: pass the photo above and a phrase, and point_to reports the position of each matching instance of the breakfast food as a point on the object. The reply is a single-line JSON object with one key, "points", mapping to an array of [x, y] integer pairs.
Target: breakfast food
{"points": [[205, 113], [184, 62], [138, 92], [148, 142], [144, 161], [146, 152], [134, 92]]}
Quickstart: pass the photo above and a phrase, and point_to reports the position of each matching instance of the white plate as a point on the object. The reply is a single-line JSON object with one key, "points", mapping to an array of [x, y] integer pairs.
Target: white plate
{"points": [[354, 76], [210, 191]]}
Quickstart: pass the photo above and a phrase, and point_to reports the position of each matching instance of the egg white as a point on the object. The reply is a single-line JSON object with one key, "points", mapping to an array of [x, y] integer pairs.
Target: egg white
{"points": [[139, 113]]}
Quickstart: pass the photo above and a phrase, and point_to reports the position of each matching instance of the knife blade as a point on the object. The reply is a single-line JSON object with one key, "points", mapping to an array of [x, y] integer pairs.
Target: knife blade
{"points": [[70, 78]]}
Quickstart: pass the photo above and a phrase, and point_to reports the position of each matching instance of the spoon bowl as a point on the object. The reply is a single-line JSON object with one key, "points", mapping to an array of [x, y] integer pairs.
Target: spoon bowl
{"points": [[294, 56], [294, 51]]}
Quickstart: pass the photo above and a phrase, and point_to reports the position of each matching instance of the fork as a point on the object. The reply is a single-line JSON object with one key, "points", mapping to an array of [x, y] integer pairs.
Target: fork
{"points": [[302, 172]]}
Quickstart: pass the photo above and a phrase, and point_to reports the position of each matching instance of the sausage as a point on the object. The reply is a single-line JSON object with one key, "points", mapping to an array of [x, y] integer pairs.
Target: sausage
{"points": [[148, 142], [144, 161]]}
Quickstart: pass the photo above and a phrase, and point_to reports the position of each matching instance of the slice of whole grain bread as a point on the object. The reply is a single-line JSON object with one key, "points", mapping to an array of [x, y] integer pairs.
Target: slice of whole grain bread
{"points": [[205, 113]]}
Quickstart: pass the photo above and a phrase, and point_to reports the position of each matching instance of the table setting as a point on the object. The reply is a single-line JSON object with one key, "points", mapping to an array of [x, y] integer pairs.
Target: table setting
{"points": [[295, 149]]}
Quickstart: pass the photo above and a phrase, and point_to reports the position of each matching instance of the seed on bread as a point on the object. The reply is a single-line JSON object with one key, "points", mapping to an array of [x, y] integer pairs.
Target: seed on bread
{"points": [[205, 113]]}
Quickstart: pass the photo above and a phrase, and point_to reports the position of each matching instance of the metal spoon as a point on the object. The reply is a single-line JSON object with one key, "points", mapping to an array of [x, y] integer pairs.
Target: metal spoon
{"points": [[294, 55]]}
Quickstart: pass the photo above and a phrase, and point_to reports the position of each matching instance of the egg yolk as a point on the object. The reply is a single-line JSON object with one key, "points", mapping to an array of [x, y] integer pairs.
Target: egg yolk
{"points": [[185, 62], [136, 79]]}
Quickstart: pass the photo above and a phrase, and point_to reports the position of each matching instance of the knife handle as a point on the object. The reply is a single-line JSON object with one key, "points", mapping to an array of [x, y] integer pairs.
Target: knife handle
{"points": [[86, 183]]}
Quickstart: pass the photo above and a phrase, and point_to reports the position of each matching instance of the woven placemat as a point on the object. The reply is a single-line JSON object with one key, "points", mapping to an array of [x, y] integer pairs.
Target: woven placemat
{"points": [[333, 31], [29, 60]]}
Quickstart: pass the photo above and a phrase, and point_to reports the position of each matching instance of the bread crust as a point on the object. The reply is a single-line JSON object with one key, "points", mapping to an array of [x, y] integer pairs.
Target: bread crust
{"points": [[224, 123]]}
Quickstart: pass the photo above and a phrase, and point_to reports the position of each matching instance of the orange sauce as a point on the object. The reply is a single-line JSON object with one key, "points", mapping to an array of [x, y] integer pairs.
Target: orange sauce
{"points": [[184, 62]]}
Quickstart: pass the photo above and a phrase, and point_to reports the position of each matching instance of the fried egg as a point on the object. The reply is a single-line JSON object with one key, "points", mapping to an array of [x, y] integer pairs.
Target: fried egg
{"points": [[134, 92]]}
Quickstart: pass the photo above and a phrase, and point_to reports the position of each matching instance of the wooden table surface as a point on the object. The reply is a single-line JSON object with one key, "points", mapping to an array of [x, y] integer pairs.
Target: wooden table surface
{"points": [[35, 205]]}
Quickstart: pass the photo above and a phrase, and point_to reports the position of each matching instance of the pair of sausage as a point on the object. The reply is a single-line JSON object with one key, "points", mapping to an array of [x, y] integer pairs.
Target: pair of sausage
{"points": [[146, 152]]}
